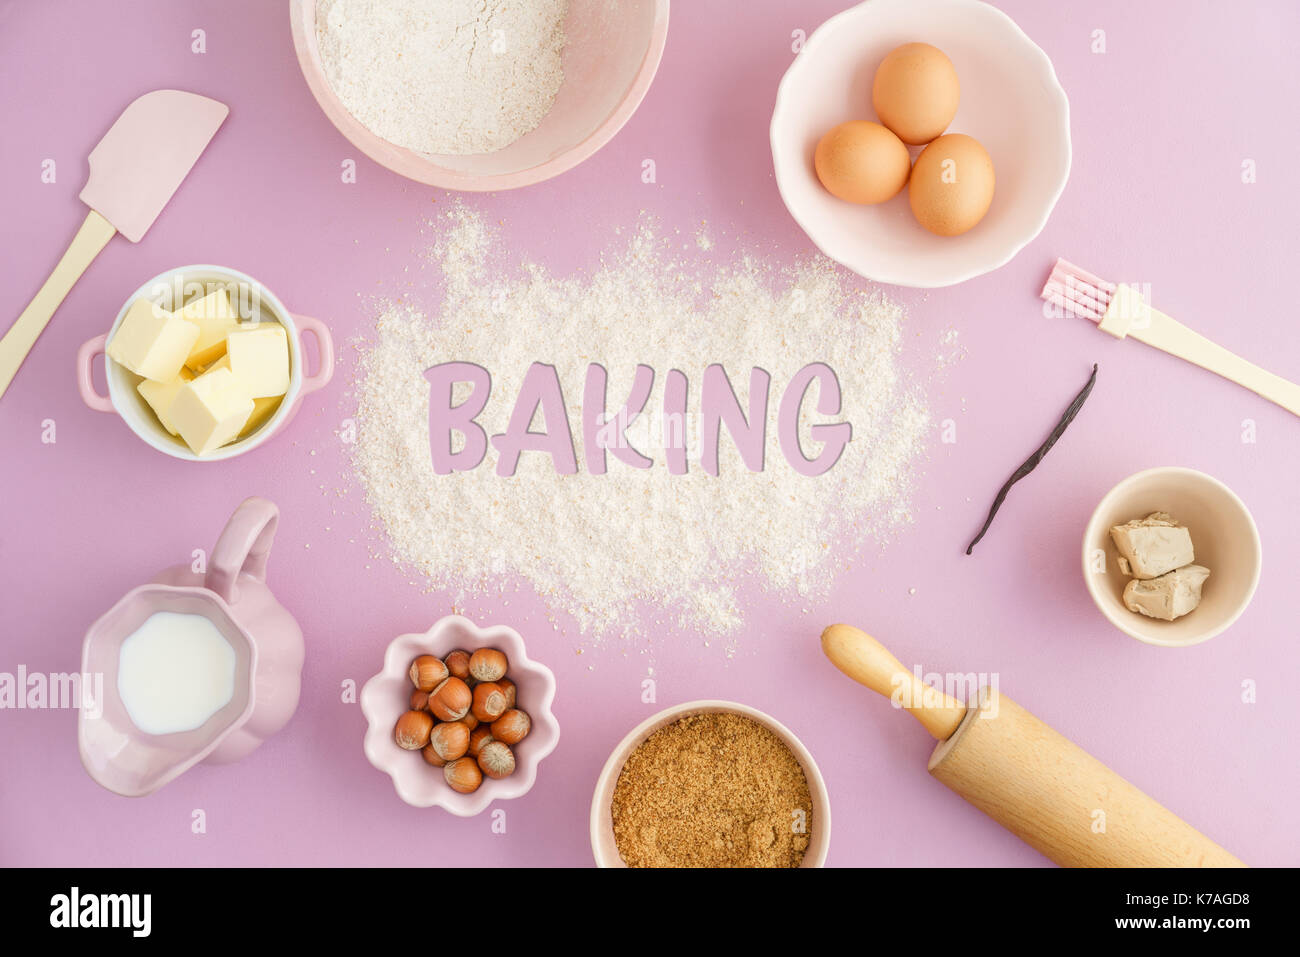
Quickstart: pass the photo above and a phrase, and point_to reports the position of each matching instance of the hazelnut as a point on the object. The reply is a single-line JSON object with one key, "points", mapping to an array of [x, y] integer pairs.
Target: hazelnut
{"points": [[511, 692], [450, 701], [450, 740], [512, 727], [463, 775], [496, 759], [489, 702], [488, 664], [426, 671], [419, 700], [479, 737], [470, 721], [412, 731], [458, 664], [431, 756]]}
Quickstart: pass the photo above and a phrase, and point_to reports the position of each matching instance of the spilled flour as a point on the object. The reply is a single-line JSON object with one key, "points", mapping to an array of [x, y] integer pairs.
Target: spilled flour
{"points": [[599, 546]]}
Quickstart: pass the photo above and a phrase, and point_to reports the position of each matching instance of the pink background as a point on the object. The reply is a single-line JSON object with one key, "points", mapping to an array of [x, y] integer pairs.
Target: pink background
{"points": [[1161, 123]]}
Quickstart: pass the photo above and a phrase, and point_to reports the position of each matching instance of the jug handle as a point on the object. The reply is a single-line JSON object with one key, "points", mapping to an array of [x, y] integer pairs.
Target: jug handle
{"points": [[244, 546]]}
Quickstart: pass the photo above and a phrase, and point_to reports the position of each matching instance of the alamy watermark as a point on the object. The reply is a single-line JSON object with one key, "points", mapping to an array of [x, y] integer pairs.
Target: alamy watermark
{"points": [[38, 690], [973, 689]]}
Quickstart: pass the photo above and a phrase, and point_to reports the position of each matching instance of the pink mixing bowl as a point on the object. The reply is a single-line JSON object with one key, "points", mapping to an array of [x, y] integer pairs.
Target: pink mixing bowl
{"points": [[610, 58], [385, 697]]}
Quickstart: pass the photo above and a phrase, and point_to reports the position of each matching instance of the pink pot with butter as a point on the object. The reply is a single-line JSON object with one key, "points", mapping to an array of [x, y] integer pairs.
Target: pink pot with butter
{"points": [[195, 667], [252, 306]]}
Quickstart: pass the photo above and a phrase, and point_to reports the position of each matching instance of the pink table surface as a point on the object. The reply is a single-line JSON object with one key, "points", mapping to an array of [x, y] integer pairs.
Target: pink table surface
{"points": [[1162, 122]]}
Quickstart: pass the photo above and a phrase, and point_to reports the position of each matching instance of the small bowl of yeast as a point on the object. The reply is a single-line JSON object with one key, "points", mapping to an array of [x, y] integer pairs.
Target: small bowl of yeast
{"points": [[1224, 538]]}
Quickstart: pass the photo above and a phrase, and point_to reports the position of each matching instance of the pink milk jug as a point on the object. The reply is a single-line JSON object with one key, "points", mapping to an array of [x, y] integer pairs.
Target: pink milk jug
{"points": [[268, 657]]}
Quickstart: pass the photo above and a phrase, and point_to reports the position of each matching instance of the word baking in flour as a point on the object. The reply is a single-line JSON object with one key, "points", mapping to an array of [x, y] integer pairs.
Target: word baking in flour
{"points": [[540, 392], [74, 909]]}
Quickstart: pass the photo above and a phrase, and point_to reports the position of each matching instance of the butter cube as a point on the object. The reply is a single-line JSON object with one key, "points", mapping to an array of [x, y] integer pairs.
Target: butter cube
{"points": [[263, 408], [1153, 545], [160, 395], [152, 342], [216, 319], [210, 411], [259, 355]]}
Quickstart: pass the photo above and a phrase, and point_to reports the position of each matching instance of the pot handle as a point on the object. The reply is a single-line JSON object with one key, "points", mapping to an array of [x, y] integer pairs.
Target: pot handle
{"points": [[243, 548], [324, 346], [86, 374]]}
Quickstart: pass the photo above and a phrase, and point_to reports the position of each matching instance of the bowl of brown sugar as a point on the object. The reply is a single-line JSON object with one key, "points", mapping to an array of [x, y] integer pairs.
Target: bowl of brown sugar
{"points": [[710, 784]]}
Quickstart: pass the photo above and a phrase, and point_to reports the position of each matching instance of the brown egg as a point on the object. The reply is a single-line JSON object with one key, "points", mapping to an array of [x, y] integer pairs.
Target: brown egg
{"points": [[915, 92], [862, 162], [952, 185]]}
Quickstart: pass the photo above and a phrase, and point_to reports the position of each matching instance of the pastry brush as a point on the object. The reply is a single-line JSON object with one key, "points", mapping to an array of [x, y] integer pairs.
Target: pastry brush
{"points": [[1122, 311]]}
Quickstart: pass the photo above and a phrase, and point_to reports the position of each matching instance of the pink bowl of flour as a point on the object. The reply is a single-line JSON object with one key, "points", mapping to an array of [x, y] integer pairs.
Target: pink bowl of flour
{"points": [[610, 56]]}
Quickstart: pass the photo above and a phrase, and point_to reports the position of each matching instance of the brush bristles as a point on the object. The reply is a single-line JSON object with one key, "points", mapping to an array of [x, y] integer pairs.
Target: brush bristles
{"points": [[1077, 292]]}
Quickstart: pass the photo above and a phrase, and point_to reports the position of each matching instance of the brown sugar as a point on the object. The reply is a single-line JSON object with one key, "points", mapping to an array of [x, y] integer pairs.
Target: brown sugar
{"points": [[712, 790]]}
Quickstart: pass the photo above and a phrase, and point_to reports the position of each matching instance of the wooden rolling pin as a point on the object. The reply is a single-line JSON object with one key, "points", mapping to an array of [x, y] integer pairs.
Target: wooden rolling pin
{"points": [[1036, 783]]}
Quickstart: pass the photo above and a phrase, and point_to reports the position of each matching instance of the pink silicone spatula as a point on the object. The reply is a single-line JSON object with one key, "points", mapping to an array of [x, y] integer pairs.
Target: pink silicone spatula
{"points": [[134, 170]]}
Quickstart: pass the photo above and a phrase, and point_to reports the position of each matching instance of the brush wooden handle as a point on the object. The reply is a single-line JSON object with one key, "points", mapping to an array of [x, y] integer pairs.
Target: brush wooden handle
{"points": [[93, 235], [1129, 314], [1171, 336], [868, 662]]}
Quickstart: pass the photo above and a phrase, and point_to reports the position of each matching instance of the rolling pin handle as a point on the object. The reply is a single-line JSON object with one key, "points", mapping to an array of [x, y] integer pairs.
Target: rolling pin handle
{"points": [[868, 662]]}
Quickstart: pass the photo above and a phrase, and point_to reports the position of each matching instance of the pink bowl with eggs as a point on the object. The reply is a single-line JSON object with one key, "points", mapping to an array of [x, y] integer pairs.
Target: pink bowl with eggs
{"points": [[386, 697], [611, 55], [1011, 102]]}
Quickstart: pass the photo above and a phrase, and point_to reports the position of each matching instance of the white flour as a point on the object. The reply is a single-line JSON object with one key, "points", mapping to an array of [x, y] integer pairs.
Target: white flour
{"points": [[601, 547], [444, 76]]}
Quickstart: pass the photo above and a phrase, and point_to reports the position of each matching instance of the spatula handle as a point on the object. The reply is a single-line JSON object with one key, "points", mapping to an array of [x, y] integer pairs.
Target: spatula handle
{"points": [[94, 233], [868, 662]]}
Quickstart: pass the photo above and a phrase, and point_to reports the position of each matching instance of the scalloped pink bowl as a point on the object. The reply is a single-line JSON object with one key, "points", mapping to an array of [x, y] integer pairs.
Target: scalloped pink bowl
{"points": [[384, 698], [610, 59]]}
